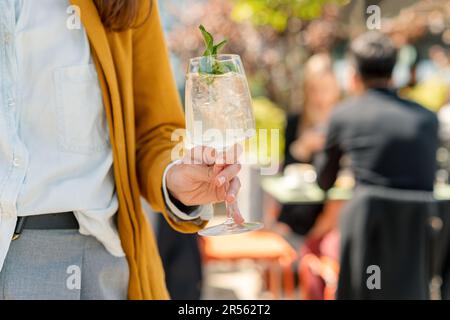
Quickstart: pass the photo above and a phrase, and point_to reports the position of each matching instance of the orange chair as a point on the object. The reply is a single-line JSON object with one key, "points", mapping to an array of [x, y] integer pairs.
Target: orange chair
{"points": [[319, 267], [261, 247], [318, 277]]}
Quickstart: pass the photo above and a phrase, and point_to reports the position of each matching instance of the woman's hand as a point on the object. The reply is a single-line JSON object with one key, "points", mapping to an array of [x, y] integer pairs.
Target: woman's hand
{"points": [[309, 143], [205, 176]]}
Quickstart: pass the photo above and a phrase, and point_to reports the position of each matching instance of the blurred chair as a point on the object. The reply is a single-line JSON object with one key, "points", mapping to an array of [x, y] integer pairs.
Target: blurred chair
{"points": [[318, 277], [318, 268], [406, 234], [264, 248]]}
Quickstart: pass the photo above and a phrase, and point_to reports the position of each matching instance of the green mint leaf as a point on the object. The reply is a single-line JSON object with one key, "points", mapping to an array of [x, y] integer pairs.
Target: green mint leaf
{"points": [[219, 46], [212, 65], [209, 40]]}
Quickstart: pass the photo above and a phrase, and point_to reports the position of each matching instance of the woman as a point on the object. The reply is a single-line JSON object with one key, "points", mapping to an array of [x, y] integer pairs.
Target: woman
{"points": [[85, 129], [305, 137], [305, 132]]}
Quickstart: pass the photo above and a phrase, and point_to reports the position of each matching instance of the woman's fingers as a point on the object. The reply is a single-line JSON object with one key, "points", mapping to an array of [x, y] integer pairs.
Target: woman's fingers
{"points": [[236, 213], [209, 156], [233, 190], [227, 174], [217, 167]]}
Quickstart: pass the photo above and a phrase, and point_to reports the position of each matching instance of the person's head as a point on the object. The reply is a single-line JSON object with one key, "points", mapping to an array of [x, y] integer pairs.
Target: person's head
{"points": [[120, 15], [320, 87], [372, 56]]}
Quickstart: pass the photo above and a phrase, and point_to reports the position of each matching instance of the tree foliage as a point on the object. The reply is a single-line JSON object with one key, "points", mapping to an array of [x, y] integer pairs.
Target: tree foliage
{"points": [[276, 13], [273, 56]]}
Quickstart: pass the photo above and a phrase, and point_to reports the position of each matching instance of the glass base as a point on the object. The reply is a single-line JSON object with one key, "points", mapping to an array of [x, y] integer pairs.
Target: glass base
{"points": [[230, 228]]}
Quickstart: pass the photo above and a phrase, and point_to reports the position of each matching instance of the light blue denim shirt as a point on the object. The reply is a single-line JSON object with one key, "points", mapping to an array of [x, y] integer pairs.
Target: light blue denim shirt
{"points": [[55, 154], [54, 150]]}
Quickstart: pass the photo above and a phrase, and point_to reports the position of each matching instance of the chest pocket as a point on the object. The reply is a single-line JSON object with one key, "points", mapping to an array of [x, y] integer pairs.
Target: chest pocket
{"points": [[82, 125]]}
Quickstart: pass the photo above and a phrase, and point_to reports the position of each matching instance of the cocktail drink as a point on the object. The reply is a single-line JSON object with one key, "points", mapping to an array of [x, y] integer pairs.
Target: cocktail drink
{"points": [[219, 115]]}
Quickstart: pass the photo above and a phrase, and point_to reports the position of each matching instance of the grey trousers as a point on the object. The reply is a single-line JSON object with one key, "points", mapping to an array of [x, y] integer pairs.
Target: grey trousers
{"points": [[62, 265]]}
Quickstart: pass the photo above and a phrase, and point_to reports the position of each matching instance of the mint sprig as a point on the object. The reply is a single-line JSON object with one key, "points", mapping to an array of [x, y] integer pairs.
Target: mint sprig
{"points": [[211, 48], [211, 65]]}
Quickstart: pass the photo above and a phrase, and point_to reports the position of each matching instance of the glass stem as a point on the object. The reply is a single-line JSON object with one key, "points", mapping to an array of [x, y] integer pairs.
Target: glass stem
{"points": [[229, 211]]}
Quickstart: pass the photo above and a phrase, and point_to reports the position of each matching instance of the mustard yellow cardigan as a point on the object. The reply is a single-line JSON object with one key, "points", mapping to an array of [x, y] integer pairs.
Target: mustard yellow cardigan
{"points": [[142, 109]]}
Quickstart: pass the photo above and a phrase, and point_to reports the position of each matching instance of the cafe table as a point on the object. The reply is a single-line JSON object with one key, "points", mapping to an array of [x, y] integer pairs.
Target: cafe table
{"points": [[278, 188]]}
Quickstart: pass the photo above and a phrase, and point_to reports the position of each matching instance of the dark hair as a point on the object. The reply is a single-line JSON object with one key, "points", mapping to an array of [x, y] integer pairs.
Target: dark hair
{"points": [[120, 15], [373, 55]]}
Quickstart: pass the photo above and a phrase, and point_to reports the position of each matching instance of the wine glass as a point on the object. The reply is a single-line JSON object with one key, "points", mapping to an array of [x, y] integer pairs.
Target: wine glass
{"points": [[219, 115]]}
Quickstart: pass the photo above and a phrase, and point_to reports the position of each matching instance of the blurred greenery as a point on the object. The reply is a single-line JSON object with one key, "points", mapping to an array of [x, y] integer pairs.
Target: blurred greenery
{"points": [[276, 13], [431, 93], [273, 37], [269, 116]]}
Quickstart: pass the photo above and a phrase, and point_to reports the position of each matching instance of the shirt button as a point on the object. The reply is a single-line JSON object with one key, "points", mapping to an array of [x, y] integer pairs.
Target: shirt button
{"points": [[16, 162], [11, 102], [7, 38]]}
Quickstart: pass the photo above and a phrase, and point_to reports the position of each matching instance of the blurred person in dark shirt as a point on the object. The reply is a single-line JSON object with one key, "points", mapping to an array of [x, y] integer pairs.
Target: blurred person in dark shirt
{"points": [[391, 142], [391, 145]]}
